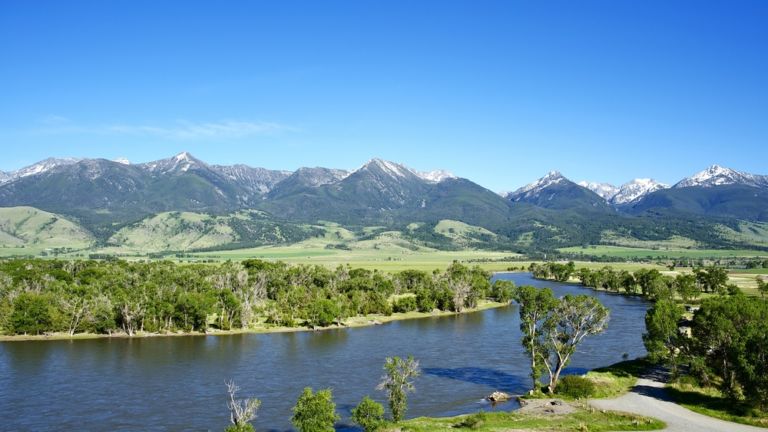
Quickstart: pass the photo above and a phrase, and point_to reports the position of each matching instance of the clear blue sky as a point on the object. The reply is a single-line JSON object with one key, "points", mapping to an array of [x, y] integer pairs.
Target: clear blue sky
{"points": [[498, 92]]}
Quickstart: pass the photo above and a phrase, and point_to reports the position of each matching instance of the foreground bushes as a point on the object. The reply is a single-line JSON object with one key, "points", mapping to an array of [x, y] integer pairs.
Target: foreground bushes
{"points": [[575, 387]]}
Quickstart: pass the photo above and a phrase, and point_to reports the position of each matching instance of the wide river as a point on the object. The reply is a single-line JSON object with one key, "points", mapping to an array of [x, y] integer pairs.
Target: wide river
{"points": [[177, 383]]}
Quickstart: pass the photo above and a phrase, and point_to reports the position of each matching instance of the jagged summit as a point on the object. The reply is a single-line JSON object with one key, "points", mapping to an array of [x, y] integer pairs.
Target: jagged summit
{"points": [[401, 171], [532, 189], [717, 175]]}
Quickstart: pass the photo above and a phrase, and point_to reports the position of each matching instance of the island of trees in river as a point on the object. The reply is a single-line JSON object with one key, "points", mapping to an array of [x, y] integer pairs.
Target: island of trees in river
{"points": [[119, 297]]}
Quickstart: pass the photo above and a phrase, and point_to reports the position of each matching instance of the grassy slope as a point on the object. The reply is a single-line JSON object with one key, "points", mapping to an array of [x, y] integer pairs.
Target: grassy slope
{"points": [[174, 231], [26, 230]]}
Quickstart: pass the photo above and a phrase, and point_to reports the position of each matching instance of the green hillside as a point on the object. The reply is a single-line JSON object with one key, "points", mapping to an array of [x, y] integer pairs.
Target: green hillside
{"points": [[187, 231], [27, 230]]}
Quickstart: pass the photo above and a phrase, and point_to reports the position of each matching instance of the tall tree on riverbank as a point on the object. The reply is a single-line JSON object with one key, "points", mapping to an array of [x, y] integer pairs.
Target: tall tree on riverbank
{"points": [[573, 319], [535, 305], [662, 336], [397, 382]]}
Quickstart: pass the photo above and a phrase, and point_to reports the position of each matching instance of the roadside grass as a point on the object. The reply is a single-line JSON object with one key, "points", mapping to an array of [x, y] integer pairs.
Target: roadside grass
{"points": [[617, 379], [711, 402], [581, 420]]}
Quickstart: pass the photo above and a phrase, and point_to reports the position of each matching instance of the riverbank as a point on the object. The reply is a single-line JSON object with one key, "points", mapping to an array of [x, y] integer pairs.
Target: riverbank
{"points": [[261, 328], [582, 418]]}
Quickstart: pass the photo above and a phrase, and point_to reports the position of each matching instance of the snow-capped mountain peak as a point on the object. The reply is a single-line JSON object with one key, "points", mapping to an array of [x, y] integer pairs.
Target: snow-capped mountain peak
{"points": [[122, 160], [391, 168], [527, 191], [605, 190], [401, 171], [636, 189], [181, 162], [717, 175]]}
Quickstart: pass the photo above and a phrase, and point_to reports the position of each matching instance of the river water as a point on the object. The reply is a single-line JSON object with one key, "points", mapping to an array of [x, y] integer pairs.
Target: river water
{"points": [[178, 383]]}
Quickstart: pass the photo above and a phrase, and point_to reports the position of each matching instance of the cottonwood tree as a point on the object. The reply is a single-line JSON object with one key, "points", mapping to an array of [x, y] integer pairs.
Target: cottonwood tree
{"points": [[573, 319], [241, 411], [397, 382], [662, 335], [535, 306]]}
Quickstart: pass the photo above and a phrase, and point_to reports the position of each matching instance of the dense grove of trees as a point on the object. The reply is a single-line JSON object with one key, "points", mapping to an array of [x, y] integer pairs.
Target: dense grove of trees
{"points": [[649, 283], [726, 347], [42, 296]]}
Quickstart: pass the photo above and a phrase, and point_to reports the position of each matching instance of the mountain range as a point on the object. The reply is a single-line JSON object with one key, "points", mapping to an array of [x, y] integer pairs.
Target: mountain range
{"points": [[250, 205]]}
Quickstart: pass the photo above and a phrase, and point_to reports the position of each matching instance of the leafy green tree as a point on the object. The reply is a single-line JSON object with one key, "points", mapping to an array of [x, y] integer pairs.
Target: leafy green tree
{"points": [[535, 306], [661, 336], [573, 319], [712, 279], [502, 291], [685, 285], [397, 382], [32, 314], [762, 286], [323, 312], [368, 414], [315, 412]]}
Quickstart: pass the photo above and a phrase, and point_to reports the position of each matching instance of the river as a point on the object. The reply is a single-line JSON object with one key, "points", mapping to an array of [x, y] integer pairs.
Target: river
{"points": [[178, 383]]}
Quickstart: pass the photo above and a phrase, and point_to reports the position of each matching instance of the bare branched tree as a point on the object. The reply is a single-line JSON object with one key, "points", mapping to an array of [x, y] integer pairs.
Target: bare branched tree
{"points": [[243, 411]]}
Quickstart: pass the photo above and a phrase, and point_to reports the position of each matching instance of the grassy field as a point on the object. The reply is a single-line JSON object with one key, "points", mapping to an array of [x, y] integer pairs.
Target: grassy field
{"points": [[384, 257], [583, 419], [633, 252]]}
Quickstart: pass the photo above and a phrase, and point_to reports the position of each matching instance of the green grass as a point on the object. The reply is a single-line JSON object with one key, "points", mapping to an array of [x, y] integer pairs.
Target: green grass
{"points": [[381, 255], [609, 237], [633, 252], [29, 231], [710, 402], [617, 379], [582, 419]]}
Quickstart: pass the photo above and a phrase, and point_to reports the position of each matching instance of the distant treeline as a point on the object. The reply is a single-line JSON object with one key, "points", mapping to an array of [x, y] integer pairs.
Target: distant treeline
{"points": [[105, 297], [649, 283]]}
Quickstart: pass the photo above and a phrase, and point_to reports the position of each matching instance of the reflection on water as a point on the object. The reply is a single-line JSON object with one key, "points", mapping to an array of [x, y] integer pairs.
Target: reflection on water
{"points": [[177, 383]]}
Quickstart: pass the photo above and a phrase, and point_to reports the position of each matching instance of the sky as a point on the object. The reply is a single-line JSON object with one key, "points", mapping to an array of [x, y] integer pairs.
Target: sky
{"points": [[497, 92]]}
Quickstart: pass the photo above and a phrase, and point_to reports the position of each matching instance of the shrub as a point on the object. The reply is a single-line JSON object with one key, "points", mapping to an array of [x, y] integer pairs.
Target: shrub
{"points": [[405, 304], [315, 412], [369, 414], [576, 387], [473, 421]]}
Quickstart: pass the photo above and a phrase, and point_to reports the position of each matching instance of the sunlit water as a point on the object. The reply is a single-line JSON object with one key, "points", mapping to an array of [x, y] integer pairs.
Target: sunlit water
{"points": [[177, 383]]}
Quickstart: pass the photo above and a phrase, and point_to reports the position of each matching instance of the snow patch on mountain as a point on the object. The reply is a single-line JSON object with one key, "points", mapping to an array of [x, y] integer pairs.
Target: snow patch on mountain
{"points": [[717, 175], [122, 160], [636, 189], [43, 166], [435, 176], [605, 190]]}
